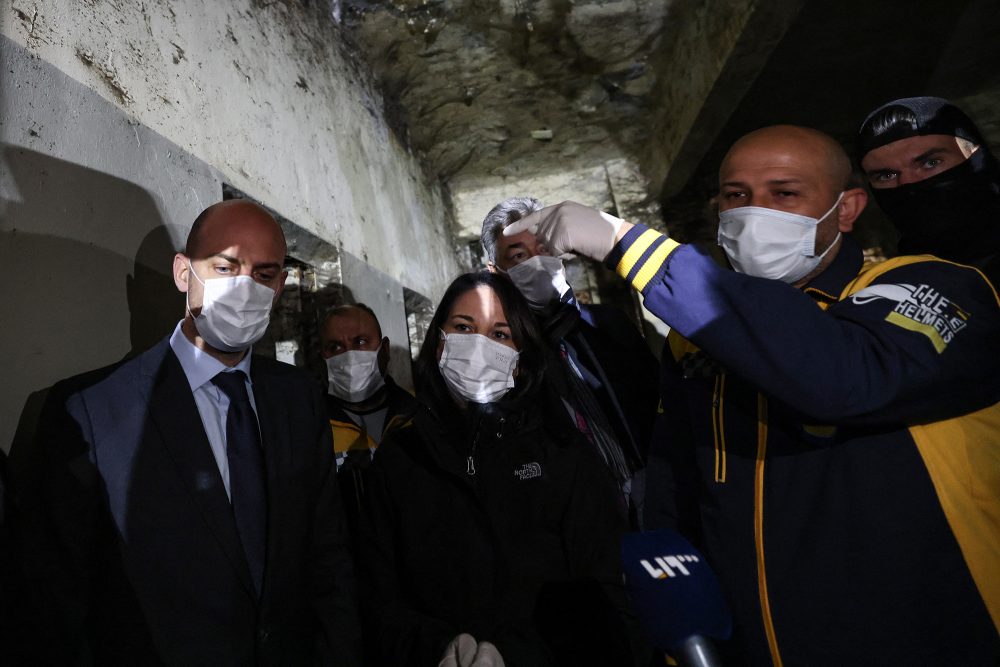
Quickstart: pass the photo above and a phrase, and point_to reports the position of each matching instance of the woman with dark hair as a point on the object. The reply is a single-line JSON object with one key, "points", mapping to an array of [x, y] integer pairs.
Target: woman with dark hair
{"points": [[519, 333], [489, 532]]}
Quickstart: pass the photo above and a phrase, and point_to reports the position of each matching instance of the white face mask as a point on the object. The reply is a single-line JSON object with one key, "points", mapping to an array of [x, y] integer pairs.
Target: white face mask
{"points": [[476, 368], [354, 375], [541, 279], [234, 311], [767, 243]]}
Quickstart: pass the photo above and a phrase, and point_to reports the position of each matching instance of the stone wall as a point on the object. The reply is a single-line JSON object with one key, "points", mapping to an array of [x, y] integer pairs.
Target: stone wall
{"points": [[270, 95], [691, 59]]}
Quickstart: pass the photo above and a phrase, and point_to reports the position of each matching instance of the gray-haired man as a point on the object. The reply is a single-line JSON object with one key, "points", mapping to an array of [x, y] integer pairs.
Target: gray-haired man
{"points": [[603, 371]]}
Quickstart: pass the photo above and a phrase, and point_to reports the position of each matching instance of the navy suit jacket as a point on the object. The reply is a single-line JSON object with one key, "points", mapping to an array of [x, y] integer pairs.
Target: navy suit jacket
{"points": [[631, 371], [132, 550]]}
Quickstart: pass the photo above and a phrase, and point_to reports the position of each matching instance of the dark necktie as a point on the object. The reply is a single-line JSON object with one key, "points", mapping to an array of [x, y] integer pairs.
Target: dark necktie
{"points": [[247, 487]]}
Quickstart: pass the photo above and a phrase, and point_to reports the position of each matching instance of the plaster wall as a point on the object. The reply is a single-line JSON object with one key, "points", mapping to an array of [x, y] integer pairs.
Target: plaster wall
{"points": [[268, 94], [120, 121], [92, 208], [384, 296]]}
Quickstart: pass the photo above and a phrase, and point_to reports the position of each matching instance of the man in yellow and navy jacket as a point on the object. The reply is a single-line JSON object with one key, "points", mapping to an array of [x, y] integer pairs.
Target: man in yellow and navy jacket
{"points": [[362, 400], [830, 436]]}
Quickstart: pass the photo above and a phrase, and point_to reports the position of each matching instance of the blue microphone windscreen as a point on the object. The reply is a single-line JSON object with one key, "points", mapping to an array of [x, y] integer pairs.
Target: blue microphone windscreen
{"points": [[673, 590]]}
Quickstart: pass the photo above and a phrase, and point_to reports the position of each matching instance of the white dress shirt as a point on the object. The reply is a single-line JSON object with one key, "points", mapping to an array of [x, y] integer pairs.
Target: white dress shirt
{"points": [[213, 404]]}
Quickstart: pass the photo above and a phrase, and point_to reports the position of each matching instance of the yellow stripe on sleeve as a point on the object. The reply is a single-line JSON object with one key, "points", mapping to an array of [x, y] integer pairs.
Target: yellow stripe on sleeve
{"points": [[635, 252], [654, 263], [925, 329]]}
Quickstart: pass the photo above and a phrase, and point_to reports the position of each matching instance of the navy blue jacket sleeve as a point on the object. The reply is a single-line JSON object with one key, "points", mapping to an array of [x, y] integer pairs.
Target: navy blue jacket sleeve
{"points": [[918, 345]]}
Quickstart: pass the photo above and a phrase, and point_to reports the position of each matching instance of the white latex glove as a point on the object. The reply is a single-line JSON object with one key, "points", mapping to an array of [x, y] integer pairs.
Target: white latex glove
{"points": [[487, 655], [571, 228], [464, 651], [460, 652]]}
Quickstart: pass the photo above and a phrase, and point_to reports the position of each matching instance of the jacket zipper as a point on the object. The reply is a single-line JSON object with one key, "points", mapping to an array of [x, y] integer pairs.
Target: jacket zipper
{"points": [[758, 531], [470, 460], [718, 428]]}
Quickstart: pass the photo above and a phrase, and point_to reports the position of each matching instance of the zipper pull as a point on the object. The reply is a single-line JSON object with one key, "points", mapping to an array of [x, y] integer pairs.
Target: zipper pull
{"points": [[503, 420], [470, 466]]}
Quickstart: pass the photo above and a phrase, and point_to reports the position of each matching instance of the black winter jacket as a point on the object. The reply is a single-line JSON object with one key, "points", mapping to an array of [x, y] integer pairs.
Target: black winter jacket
{"points": [[488, 525]]}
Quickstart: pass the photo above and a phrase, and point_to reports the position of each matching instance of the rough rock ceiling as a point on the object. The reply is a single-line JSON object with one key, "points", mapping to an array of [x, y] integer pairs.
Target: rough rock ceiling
{"points": [[834, 64], [630, 104], [546, 97]]}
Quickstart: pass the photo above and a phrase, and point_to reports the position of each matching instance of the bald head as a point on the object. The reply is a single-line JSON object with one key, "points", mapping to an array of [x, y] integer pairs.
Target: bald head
{"points": [[805, 148], [354, 311], [235, 216], [229, 241], [793, 170]]}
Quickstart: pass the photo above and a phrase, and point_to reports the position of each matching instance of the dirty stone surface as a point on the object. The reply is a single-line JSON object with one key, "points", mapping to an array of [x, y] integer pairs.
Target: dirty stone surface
{"points": [[269, 93], [551, 98]]}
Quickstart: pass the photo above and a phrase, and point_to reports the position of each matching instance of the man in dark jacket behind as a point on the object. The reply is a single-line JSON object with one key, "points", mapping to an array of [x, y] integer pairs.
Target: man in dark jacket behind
{"points": [[362, 400], [601, 368]]}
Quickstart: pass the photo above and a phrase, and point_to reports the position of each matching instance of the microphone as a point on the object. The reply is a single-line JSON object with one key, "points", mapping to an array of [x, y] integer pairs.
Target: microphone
{"points": [[676, 596]]}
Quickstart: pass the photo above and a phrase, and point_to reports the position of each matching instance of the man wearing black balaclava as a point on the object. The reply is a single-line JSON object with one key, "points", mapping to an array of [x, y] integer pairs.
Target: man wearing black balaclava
{"points": [[935, 178]]}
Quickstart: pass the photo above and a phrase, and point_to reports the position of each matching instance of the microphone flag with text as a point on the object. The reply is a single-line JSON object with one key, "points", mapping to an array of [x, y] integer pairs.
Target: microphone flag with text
{"points": [[675, 594]]}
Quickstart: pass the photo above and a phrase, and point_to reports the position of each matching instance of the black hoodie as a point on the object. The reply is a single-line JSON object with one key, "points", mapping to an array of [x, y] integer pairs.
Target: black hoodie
{"points": [[954, 214]]}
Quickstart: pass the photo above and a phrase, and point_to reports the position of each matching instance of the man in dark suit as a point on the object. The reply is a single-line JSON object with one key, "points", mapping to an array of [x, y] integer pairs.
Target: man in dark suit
{"points": [[185, 508], [599, 365]]}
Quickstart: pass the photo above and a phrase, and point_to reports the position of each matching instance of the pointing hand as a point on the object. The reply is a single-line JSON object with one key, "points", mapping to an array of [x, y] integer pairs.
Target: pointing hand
{"points": [[571, 228]]}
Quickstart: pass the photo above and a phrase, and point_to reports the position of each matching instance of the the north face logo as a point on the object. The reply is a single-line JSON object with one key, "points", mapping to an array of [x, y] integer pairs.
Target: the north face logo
{"points": [[528, 471]]}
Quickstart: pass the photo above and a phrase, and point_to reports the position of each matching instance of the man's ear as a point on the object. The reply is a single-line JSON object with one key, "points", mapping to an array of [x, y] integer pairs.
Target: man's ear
{"points": [[850, 207], [182, 272], [491, 267]]}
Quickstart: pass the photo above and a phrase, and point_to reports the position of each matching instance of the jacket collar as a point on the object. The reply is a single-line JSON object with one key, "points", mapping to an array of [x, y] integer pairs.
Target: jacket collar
{"points": [[844, 268], [174, 416], [396, 401], [199, 366], [560, 319], [450, 432]]}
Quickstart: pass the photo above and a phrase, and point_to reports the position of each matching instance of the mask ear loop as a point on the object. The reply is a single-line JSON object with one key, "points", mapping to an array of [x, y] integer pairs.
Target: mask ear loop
{"points": [[821, 219], [187, 294], [828, 248], [832, 208], [191, 267]]}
